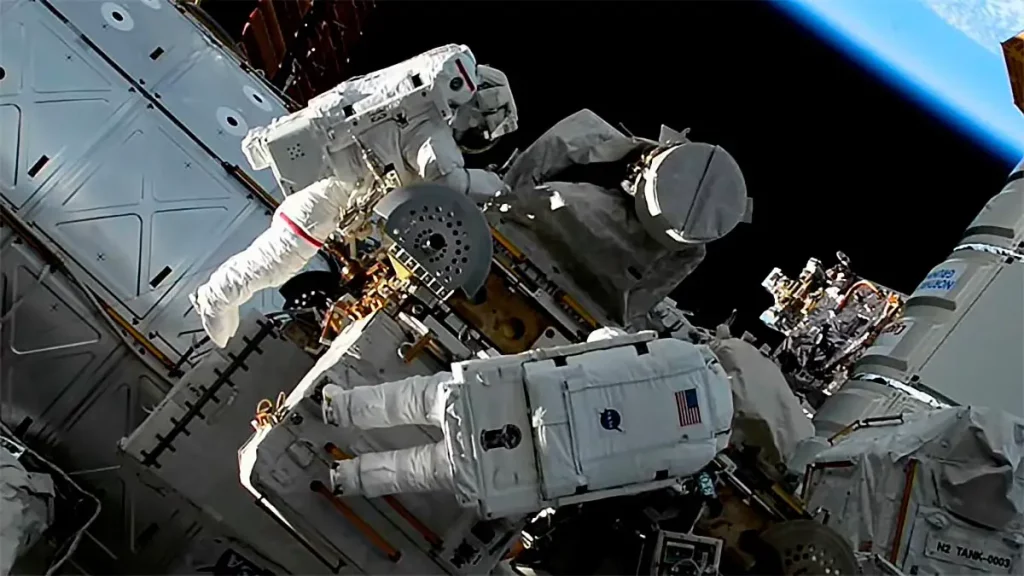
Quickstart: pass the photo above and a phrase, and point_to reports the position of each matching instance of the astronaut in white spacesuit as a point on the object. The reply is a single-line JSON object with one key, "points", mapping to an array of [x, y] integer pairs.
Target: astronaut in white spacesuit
{"points": [[413, 138], [618, 411]]}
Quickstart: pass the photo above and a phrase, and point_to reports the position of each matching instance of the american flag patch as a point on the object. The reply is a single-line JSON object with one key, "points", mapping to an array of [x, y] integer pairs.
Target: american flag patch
{"points": [[688, 407]]}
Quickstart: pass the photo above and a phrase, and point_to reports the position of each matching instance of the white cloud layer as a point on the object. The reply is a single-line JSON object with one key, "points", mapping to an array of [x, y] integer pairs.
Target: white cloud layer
{"points": [[987, 22]]}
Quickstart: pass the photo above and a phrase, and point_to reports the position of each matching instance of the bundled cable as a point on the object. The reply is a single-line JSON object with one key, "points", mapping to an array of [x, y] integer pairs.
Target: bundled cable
{"points": [[269, 413]]}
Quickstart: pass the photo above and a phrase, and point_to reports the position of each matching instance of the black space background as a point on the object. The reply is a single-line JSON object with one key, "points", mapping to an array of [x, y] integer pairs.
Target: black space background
{"points": [[834, 158]]}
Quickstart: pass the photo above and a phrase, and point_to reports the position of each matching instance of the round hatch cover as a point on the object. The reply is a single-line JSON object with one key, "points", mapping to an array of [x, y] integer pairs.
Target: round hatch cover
{"points": [[443, 231]]}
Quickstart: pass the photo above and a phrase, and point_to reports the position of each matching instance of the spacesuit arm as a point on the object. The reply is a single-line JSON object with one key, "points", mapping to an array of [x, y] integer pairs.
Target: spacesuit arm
{"points": [[432, 151], [768, 414]]}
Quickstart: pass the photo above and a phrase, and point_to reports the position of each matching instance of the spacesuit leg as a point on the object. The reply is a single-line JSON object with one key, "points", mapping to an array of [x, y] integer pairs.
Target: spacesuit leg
{"points": [[416, 400], [269, 261], [300, 225], [420, 469]]}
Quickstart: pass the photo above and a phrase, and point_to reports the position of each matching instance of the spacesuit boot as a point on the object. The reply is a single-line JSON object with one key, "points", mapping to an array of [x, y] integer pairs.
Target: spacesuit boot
{"points": [[219, 322], [419, 400], [300, 226]]}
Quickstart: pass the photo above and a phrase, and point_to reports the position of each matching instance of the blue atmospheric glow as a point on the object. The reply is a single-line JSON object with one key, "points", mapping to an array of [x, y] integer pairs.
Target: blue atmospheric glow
{"points": [[942, 53]]}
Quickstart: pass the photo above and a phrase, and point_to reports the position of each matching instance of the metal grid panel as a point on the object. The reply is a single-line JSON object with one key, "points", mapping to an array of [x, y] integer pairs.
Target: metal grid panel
{"points": [[129, 32], [202, 85], [71, 388], [225, 390], [142, 525], [113, 163], [219, 102], [52, 346], [143, 210], [55, 99], [135, 202], [174, 323]]}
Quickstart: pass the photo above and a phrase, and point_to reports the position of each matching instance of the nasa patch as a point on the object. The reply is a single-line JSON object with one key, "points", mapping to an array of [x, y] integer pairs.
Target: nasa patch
{"points": [[611, 420]]}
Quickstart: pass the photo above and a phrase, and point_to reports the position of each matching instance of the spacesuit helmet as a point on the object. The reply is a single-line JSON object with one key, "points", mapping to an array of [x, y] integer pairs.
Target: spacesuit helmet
{"points": [[491, 114]]}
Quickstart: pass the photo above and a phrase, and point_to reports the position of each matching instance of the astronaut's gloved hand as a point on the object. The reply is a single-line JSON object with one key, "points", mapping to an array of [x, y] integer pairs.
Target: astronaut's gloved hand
{"points": [[606, 333], [485, 185], [330, 407], [341, 478]]}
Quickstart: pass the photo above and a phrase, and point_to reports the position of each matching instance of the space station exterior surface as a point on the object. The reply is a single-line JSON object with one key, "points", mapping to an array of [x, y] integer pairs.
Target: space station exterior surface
{"points": [[959, 337], [123, 183], [917, 453]]}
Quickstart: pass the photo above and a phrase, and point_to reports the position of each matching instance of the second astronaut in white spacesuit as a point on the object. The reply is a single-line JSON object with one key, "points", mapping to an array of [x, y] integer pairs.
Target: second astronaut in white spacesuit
{"points": [[522, 433], [419, 148]]}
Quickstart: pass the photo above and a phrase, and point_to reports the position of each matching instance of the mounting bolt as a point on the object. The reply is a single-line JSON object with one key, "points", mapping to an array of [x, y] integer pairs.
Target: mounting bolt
{"points": [[296, 418]]}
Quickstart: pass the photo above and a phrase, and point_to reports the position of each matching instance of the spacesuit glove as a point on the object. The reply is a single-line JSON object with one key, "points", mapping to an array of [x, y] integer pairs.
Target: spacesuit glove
{"points": [[484, 186], [345, 478], [330, 407], [219, 322], [606, 333]]}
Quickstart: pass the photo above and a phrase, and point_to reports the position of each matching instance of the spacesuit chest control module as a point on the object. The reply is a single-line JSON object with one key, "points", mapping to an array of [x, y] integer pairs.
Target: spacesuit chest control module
{"points": [[614, 416], [351, 146]]}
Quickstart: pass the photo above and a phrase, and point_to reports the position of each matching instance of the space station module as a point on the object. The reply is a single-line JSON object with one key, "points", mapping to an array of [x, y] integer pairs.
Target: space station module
{"points": [[404, 124], [616, 415], [935, 492]]}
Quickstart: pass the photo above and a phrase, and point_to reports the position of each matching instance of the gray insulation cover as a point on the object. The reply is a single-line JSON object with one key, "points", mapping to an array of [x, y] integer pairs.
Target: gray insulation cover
{"points": [[966, 512], [585, 237], [25, 508]]}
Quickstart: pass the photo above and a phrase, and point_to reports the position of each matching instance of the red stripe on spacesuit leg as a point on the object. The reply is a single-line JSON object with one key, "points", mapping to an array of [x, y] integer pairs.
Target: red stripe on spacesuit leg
{"points": [[298, 231], [465, 75]]}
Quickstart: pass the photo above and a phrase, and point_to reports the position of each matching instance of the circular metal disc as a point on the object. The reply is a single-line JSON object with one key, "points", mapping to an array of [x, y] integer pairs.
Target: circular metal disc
{"points": [[259, 99], [443, 231], [117, 17], [692, 193], [231, 121], [807, 547]]}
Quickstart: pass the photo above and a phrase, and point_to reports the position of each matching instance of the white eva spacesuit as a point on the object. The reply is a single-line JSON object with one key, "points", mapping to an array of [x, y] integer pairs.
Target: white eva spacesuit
{"points": [[538, 429], [412, 118]]}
